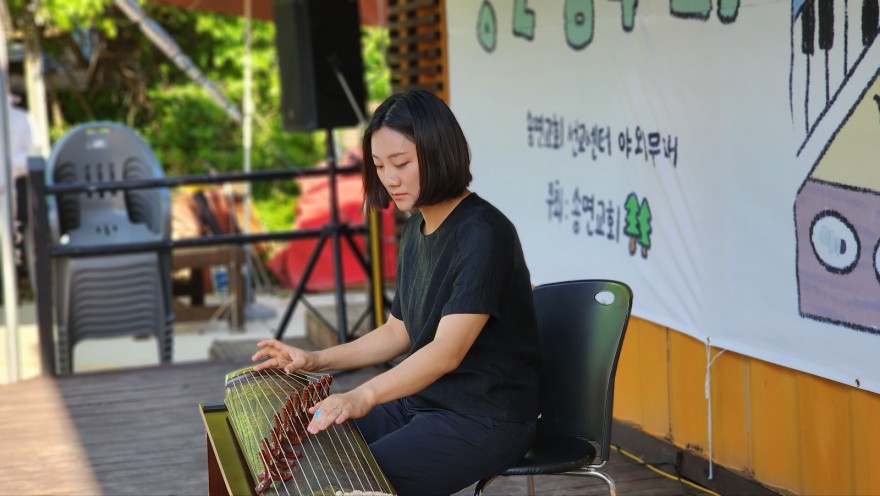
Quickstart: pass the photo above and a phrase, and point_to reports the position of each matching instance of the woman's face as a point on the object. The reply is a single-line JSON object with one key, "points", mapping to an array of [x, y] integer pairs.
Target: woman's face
{"points": [[397, 166]]}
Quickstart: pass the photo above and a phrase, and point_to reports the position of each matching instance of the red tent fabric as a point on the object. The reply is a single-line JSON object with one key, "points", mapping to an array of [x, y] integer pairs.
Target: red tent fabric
{"points": [[313, 211]]}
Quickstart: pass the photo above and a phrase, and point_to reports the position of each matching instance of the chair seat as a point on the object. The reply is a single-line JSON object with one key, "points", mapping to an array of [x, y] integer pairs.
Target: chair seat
{"points": [[554, 454]]}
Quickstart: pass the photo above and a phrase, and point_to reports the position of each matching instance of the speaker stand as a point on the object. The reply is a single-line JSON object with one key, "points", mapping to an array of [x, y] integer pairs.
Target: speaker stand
{"points": [[334, 230]]}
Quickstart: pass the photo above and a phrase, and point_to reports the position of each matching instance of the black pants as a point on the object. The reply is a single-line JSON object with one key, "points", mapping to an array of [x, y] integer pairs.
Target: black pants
{"points": [[436, 452]]}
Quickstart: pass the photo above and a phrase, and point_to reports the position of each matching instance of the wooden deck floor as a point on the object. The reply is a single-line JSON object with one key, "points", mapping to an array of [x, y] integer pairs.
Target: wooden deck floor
{"points": [[139, 432]]}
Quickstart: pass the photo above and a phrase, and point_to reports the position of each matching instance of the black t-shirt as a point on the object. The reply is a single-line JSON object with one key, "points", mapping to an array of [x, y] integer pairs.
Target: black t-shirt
{"points": [[473, 263]]}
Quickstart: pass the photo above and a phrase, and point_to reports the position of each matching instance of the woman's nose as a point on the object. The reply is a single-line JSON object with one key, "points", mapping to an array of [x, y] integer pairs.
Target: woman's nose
{"points": [[390, 177]]}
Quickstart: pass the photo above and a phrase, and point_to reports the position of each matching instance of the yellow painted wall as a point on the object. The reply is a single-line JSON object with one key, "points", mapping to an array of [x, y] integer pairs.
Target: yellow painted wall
{"points": [[788, 430]]}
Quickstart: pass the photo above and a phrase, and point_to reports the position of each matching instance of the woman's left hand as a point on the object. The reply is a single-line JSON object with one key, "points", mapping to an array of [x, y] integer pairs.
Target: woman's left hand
{"points": [[338, 408]]}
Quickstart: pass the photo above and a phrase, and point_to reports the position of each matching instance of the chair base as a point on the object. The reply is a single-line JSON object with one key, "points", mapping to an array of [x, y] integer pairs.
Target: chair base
{"points": [[585, 472]]}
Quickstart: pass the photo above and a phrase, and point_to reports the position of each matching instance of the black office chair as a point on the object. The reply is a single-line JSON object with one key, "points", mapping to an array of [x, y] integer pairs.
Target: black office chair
{"points": [[581, 326]]}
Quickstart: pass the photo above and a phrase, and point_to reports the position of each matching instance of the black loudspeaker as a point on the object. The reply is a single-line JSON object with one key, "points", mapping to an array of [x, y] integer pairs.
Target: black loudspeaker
{"points": [[312, 37]]}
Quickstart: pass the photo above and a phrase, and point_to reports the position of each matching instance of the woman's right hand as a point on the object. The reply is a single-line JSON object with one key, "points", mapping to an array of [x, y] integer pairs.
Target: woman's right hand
{"points": [[276, 354]]}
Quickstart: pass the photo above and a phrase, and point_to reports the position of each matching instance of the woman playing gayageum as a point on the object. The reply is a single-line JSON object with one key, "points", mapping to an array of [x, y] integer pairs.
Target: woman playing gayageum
{"points": [[463, 403]]}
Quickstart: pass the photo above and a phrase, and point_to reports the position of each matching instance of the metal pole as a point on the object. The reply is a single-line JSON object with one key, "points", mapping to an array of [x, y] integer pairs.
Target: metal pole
{"points": [[35, 84], [247, 142], [341, 324], [10, 288], [42, 281], [375, 239]]}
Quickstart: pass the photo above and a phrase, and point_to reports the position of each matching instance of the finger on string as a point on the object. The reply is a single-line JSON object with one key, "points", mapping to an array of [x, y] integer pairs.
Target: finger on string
{"points": [[323, 418], [318, 423], [342, 417], [317, 406], [264, 351], [270, 363], [266, 343]]}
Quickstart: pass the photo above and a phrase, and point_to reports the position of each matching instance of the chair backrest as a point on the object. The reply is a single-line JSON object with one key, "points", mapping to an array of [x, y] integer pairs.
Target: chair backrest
{"points": [[107, 151], [581, 326]]}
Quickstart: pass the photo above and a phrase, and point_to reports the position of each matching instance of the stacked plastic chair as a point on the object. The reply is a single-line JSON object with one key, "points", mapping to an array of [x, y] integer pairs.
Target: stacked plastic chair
{"points": [[109, 295]]}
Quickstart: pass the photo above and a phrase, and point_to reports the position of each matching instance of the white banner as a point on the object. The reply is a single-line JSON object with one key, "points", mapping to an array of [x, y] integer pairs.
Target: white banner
{"points": [[722, 157]]}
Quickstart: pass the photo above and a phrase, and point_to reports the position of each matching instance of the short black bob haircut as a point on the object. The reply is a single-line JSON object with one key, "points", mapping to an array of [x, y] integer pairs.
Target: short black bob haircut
{"points": [[441, 148]]}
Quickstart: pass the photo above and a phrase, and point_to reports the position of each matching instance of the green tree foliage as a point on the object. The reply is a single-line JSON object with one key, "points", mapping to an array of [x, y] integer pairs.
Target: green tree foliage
{"points": [[64, 15], [375, 41], [645, 228], [631, 228]]}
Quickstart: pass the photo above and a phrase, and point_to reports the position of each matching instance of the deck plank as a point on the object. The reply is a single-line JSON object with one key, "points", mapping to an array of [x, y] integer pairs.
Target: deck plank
{"points": [[138, 431]]}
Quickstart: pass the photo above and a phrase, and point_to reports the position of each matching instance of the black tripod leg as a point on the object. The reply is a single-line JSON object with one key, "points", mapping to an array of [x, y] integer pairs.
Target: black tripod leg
{"points": [[300, 287], [335, 229]]}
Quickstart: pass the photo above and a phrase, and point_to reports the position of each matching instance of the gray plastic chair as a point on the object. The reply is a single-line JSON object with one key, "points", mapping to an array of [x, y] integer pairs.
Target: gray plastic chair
{"points": [[581, 325], [109, 295]]}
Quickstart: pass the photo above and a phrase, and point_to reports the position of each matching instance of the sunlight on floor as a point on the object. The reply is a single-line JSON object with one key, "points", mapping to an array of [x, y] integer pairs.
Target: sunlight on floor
{"points": [[192, 340]]}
